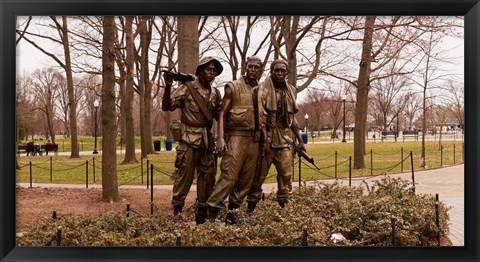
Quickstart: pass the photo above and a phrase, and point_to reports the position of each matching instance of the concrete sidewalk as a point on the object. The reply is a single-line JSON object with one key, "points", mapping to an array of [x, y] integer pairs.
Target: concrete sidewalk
{"points": [[447, 182]]}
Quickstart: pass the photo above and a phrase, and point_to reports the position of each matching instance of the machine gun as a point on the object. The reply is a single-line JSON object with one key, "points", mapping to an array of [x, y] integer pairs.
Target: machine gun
{"points": [[177, 76], [303, 154]]}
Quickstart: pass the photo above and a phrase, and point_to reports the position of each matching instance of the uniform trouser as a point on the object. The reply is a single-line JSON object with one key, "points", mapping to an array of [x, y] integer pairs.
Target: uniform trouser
{"points": [[190, 163], [282, 159], [238, 169]]}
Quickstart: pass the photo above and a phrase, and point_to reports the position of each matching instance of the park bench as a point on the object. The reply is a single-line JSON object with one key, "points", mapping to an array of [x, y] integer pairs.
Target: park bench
{"points": [[410, 133], [388, 134], [33, 149], [21, 149]]}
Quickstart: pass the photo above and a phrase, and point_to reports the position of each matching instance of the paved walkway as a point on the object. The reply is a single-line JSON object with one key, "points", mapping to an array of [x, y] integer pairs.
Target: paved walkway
{"points": [[447, 182]]}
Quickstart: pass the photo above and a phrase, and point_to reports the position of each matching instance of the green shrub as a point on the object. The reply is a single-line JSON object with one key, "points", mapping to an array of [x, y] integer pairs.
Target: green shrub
{"points": [[361, 214]]}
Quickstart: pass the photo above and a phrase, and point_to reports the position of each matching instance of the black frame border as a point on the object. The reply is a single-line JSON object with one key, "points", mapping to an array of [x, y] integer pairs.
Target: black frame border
{"points": [[9, 9]]}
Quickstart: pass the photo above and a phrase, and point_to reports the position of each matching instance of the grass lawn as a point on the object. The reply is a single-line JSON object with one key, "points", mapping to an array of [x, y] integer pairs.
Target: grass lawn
{"points": [[333, 160]]}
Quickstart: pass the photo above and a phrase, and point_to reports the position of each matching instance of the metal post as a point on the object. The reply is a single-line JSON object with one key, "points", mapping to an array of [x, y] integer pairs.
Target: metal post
{"points": [[59, 235], [371, 162], [148, 164], [401, 156], [344, 118], [141, 168], [94, 170], [178, 241], [305, 236], [393, 229], [441, 155], [128, 209], [31, 174], [51, 176], [454, 154], [299, 171], [86, 173], [336, 164], [293, 166], [413, 171], [437, 218], [151, 189], [350, 172], [95, 104]]}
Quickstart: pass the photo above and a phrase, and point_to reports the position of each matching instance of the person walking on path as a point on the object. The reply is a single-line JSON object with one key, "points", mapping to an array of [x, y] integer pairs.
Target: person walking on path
{"points": [[281, 123], [241, 124], [195, 150]]}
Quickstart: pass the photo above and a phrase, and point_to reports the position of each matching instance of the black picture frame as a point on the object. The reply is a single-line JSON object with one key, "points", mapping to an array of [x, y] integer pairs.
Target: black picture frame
{"points": [[9, 9]]}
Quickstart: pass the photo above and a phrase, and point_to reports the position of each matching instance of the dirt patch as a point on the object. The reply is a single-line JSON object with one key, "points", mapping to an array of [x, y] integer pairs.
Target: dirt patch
{"points": [[36, 203]]}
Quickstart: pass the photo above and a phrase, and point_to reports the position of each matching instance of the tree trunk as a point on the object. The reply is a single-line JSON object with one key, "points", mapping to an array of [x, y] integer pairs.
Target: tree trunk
{"points": [[74, 153], [121, 85], [109, 154], [188, 45], [188, 53], [363, 86], [148, 90], [141, 85], [130, 156]]}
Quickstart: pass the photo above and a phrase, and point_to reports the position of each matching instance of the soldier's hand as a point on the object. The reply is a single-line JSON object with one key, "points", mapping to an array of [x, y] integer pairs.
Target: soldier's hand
{"points": [[221, 146], [168, 80], [301, 146], [266, 147]]}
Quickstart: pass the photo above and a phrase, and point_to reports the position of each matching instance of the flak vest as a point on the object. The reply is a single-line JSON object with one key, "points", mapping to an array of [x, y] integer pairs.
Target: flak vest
{"points": [[242, 113]]}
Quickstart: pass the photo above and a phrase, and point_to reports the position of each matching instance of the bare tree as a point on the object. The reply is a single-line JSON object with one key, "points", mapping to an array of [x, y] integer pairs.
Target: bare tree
{"points": [[62, 40], [46, 86], [109, 154], [457, 102], [388, 100], [127, 103], [412, 108]]}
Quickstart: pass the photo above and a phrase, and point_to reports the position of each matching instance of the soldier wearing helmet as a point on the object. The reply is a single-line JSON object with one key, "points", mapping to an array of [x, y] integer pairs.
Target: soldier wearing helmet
{"points": [[195, 152]]}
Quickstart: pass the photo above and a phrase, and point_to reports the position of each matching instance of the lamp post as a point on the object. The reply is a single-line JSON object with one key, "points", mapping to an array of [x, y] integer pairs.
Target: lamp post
{"points": [[95, 104], [344, 118], [306, 124]]}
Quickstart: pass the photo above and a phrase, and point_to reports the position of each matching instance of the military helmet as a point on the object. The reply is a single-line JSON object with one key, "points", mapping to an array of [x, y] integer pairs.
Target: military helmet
{"points": [[205, 60]]}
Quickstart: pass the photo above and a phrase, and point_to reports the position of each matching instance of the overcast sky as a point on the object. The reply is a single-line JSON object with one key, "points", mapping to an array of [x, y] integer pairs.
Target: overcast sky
{"points": [[30, 59]]}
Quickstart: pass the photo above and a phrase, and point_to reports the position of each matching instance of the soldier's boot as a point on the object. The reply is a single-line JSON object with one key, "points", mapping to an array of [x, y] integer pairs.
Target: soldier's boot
{"points": [[250, 208], [232, 219], [212, 214], [177, 218], [201, 215]]}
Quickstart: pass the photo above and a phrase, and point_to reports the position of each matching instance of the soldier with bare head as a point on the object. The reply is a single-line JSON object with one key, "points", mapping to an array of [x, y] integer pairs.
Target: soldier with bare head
{"points": [[241, 124]]}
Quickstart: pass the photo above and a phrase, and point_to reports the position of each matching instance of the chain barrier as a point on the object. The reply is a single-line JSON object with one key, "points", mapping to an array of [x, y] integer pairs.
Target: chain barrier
{"points": [[378, 154], [339, 155], [163, 172], [128, 181], [128, 169], [161, 162], [320, 159], [22, 166], [338, 164]]}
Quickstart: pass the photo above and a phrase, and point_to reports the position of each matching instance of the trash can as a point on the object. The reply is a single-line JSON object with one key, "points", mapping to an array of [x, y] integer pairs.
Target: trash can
{"points": [[168, 144], [157, 144], [305, 138]]}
